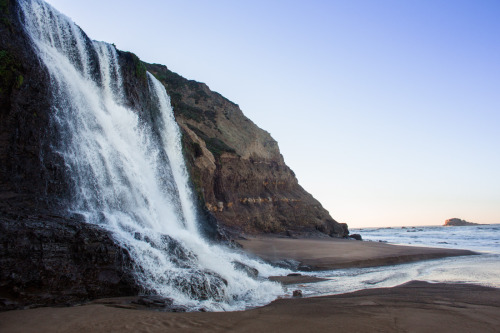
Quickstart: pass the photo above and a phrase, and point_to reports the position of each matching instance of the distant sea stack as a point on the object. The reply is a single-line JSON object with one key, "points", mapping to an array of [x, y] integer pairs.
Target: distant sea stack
{"points": [[454, 222]]}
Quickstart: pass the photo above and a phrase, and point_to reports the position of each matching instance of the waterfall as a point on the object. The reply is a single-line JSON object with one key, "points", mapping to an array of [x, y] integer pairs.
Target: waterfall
{"points": [[130, 178]]}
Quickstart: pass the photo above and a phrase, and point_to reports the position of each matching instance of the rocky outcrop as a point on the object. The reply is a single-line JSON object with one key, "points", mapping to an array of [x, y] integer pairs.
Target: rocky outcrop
{"points": [[31, 174], [356, 237], [52, 260], [49, 257], [236, 167], [454, 222]]}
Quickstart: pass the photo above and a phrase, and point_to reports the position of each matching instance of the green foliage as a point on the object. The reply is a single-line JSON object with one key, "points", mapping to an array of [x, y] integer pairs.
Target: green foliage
{"points": [[4, 12], [20, 80], [189, 112], [10, 72], [177, 86], [4, 7], [215, 145], [140, 68]]}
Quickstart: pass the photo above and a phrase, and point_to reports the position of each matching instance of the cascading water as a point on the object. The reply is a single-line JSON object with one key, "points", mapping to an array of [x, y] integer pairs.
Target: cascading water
{"points": [[130, 178]]}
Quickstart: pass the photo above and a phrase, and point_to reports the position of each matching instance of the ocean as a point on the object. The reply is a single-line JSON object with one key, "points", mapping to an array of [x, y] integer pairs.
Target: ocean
{"points": [[481, 238], [482, 269]]}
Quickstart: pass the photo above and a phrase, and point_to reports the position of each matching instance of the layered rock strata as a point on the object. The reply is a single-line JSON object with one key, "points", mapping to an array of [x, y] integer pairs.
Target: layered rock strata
{"points": [[236, 167], [48, 256]]}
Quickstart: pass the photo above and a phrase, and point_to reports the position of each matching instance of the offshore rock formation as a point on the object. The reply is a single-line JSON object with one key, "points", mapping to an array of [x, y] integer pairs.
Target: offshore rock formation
{"points": [[454, 222], [236, 167]]}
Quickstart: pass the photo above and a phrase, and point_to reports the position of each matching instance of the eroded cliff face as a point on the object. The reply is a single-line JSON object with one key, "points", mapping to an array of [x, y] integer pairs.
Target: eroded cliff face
{"points": [[236, 167], [30, 173], [49, 256]]}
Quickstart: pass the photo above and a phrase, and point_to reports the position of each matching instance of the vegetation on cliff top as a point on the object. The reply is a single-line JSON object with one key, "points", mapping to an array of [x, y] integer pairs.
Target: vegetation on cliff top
{"points": [[174, 83], [140, 68]]}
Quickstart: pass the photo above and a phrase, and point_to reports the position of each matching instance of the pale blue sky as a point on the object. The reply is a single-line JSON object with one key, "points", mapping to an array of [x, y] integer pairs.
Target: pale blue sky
{"points": [[387, 111]]}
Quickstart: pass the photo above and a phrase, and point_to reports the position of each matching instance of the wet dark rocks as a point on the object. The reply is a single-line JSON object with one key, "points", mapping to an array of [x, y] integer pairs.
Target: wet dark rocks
{"points": [[160, 303], [356, 237], [51, 260], [250, 271], [290, 264], [201, 284]]}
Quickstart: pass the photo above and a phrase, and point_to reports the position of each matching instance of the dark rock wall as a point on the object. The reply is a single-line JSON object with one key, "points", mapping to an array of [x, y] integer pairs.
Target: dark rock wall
{"points": [[236, 167], [46, 256], [50, 260], [31, 175]]}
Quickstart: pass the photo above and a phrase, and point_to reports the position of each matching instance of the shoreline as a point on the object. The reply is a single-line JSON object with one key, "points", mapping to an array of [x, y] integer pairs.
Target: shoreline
{"points": [[414, 306], [327, 254]]}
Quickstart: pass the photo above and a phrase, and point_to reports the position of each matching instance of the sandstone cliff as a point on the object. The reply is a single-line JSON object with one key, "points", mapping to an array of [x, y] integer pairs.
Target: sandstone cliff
{"points": [[236, 167], [48, 256]]}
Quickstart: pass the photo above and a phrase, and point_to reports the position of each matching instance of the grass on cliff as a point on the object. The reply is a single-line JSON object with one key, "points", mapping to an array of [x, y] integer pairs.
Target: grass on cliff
{"points": [[181, 91], [10, 72], [215, 145], [140, 68], [4, 12]]}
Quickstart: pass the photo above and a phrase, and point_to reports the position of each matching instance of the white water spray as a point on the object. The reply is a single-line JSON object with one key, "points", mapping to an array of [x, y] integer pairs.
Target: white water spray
{"points": [[130, 179]]}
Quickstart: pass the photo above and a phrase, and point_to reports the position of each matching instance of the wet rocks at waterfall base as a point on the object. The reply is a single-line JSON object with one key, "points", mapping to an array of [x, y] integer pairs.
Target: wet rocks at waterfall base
{"points": [[51, 260]]}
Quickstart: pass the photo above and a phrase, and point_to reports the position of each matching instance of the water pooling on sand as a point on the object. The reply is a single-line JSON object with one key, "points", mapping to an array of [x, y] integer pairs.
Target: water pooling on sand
{"points": [[130, 178], [482, 269]]}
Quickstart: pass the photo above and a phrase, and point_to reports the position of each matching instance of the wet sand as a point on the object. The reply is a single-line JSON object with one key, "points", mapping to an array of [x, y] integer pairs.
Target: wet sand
{"points": [[327, 254], [413, 307]]}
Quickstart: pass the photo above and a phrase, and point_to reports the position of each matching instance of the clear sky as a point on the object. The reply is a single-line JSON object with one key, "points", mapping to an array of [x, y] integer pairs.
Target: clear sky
{"points": [[388, 111]]}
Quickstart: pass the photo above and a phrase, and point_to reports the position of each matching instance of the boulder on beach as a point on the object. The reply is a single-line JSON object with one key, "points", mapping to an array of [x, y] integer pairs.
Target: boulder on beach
{"points": [[356, 237]]}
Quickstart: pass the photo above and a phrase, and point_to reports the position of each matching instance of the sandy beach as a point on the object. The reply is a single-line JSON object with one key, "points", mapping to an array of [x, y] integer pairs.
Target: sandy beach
{"points": [[326, 254], [413, 307]]}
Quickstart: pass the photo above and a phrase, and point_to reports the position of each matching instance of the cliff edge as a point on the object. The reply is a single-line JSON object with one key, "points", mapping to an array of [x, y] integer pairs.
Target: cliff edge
{"points": [[236, 167]]}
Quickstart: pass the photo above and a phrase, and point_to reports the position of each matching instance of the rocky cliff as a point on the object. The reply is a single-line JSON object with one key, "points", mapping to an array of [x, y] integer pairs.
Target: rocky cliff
{"points": [[54, 260], [49, 256], [236, 167]]}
